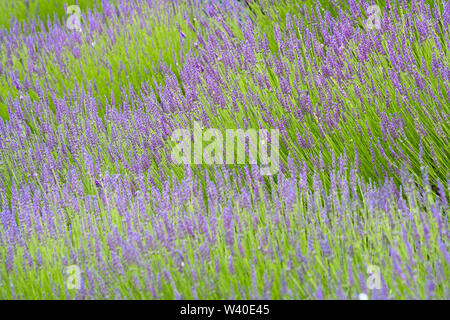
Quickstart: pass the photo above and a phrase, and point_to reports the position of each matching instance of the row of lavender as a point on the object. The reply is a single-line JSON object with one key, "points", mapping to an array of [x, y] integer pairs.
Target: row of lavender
{"points": [[238, 240], [87, 179]]}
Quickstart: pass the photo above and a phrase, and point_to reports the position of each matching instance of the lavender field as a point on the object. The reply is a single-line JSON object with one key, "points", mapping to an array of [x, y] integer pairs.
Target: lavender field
{"points": [[93, 204]]}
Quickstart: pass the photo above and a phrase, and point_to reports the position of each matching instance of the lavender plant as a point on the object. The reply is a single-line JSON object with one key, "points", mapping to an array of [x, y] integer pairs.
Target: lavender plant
{"points": [[86, 177]]}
